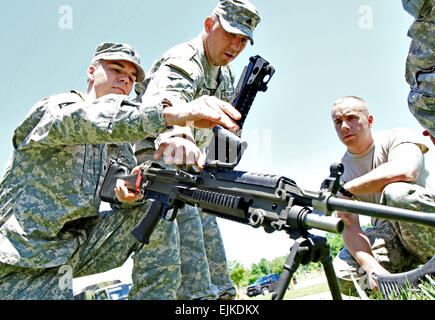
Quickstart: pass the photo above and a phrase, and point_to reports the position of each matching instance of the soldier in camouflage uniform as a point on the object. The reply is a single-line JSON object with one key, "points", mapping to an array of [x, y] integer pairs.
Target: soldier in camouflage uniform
{"points": [[187, 71], [50, 226], [420, 65], [386, 167]]}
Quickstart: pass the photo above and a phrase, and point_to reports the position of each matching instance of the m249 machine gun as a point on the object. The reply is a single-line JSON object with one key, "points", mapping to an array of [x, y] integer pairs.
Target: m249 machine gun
{"points": [[270, 201]]}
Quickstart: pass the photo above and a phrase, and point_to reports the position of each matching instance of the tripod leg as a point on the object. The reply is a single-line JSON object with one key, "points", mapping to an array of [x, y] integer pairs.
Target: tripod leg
{"points": [[330, 276], [289, 268]]}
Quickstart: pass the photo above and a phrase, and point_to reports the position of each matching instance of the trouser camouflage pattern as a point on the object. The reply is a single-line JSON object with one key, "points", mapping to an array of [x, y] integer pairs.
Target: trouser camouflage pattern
{"points": [[174, 263], [184, 260], [216, 256], [156, 266], [204, 266], [195, 270], [387, 250], [398, 246], [108, 245], [186, 256], [420, 64]]}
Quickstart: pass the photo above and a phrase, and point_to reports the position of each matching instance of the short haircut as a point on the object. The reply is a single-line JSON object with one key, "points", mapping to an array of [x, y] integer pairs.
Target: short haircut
{"points": [[363, 107]]}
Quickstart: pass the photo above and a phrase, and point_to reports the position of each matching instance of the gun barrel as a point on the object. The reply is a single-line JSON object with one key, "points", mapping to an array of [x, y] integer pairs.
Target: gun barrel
{"points": [[303, 217], [381, 211], [326, 223]]}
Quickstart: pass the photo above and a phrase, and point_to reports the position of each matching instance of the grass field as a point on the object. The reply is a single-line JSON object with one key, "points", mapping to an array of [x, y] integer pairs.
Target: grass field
{"points": [[314, 291], [306, 291]]}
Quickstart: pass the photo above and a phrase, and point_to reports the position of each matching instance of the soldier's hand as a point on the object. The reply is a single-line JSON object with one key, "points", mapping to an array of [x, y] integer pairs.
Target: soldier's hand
{"points": [[204, 112], [372, 271], [123, 194], [179, 151]]}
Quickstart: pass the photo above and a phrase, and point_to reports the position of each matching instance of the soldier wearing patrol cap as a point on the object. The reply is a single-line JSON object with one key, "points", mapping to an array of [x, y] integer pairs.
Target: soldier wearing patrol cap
{"points": [[50, 226], [110, 51], [195, 266], [238, 17]]}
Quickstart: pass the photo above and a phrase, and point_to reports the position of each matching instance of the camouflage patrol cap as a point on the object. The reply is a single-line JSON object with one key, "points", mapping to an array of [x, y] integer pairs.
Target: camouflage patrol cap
{"points": [[119, 51], [238, 17]]}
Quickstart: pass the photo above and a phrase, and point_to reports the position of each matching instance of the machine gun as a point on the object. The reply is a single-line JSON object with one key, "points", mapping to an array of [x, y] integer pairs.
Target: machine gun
{"points": [[270, 201]]}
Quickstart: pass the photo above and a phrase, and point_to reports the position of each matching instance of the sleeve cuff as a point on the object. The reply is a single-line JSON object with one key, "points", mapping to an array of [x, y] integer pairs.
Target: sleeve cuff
{"points": [[153, 119]]}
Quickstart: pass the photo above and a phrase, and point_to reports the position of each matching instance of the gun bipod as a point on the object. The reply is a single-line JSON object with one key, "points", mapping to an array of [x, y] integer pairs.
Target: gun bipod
{"points": [[305, 249]]}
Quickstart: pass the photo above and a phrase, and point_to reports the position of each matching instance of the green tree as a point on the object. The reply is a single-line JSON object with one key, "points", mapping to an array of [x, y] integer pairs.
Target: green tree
{"points": [[335, 243], [264, 266], [238, 275], [276, 265], [255, 273]]}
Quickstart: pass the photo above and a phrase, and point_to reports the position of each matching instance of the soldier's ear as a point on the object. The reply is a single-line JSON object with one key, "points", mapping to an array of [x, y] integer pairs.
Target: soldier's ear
{"points": [[370, 121], [208, 24], [91, 72]]}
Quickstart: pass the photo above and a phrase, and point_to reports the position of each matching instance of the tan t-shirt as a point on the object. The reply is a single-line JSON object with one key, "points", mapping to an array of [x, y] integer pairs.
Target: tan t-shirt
{"points": [[381, 151]]}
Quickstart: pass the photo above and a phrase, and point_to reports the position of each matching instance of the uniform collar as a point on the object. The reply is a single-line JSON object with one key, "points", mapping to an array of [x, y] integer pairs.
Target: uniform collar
{"points": [[363, 154]]}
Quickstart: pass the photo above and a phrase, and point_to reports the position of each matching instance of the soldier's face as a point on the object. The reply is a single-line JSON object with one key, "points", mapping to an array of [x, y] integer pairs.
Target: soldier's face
{"points": [[352, 126], [112, 76], [222, 47]]}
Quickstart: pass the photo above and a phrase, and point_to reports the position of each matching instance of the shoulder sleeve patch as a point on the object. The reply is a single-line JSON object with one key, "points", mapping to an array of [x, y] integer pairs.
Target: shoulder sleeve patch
{"points": [[183, 66], [63, 99]]}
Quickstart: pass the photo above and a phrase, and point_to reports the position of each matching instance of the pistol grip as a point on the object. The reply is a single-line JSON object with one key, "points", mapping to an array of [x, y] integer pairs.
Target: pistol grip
{"points": [[145, 227]]}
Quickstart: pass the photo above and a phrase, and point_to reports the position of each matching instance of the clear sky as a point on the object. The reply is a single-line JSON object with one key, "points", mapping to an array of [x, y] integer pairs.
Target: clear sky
{"points": [[321, 50]]}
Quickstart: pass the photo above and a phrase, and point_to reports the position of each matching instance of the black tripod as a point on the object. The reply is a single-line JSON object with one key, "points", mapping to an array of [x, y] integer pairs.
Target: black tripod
{"points": [[305, 249]]}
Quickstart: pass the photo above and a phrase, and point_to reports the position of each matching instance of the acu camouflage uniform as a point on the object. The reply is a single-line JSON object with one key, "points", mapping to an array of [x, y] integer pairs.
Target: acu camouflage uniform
{"points": [[50, 226], [420, 65], [184, 73]]}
